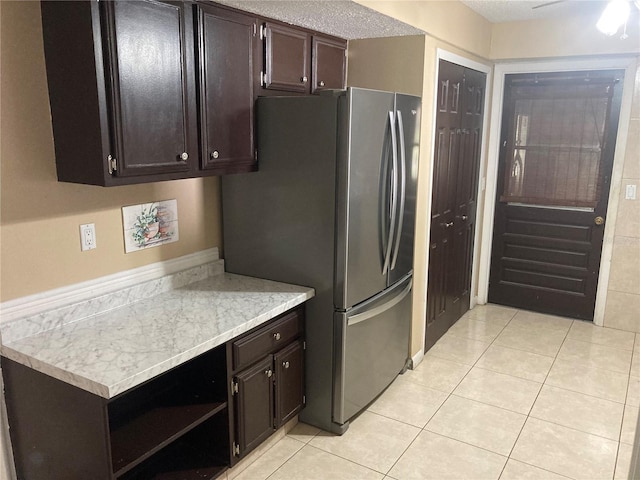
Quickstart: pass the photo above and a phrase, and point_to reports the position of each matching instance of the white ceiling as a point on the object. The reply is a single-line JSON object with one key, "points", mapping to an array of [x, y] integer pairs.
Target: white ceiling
{"points": [[498, 11]]}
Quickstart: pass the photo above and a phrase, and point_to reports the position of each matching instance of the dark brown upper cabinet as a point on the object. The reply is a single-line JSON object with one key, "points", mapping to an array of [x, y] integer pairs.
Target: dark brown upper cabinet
{"points": [[122, 84], [228, 49], [301, 61], [329, 61], [286, 65]]}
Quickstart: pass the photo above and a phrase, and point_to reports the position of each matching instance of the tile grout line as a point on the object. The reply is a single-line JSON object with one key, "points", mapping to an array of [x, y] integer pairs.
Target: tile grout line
{"points": [[458, 384], [536, 399]]}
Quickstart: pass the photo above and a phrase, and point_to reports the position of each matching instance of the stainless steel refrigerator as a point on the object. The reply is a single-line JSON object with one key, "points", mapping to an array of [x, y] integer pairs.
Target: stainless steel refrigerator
{"points": [[333, 207]]}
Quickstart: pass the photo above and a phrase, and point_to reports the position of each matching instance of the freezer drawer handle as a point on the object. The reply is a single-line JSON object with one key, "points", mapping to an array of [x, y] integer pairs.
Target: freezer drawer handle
{"points": [[361, 317]]}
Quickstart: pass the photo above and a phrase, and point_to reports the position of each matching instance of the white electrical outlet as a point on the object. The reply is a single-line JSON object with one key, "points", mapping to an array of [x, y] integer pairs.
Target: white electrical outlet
{"points": [[88, 236], [630, 192]]}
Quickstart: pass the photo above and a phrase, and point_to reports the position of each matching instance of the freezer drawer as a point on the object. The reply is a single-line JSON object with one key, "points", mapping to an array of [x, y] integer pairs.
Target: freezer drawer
{"points": [[372, 348]]}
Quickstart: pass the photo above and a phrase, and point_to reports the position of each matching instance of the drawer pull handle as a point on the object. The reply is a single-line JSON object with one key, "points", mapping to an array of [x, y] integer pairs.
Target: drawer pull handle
{"points": [[276, 336], [269, 373], [285, 364]]}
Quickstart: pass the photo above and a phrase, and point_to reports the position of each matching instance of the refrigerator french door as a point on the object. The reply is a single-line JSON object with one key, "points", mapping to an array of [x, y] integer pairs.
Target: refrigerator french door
{"points": [[332, 206]]}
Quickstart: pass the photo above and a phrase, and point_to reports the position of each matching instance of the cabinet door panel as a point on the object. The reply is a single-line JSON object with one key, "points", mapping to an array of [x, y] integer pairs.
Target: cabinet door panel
{"points": [[254, 405], [152, 99], [289, 368], [286, 58], [227, 51], [329, 61]]}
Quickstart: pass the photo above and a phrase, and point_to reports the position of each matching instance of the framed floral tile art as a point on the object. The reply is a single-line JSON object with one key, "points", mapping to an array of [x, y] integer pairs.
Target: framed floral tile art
{"points": [[150, 225]]}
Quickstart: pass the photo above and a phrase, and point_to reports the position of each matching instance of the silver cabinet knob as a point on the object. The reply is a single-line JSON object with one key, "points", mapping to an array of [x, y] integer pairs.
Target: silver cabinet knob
{"points": [[447, 225], [276, 336], [304, 79], [184, 156], [215, 154], [464, 217], [321, 83], [269, 373], [285, 364]]}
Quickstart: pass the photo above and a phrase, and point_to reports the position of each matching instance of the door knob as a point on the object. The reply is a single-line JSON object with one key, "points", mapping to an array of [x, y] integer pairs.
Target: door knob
{"points": [[304, 79], [285, 364], [184, 156], [464, 217], [447, 225], [269, 373], [213, 155], [598, 220], [276, 336], [321, 83]]}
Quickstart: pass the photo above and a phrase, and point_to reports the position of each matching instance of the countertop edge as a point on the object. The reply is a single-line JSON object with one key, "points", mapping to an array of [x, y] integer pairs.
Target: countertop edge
{"points": [[110, 391]]}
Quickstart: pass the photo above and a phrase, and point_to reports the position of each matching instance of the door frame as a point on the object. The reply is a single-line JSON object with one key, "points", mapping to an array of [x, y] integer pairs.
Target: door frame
{"points": [[627, 63], [442, 54]]}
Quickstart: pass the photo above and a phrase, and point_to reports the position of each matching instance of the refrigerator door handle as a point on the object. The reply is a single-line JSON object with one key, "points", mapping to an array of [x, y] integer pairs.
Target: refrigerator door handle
{"points": [[394, 194], [403, 187], [374, 312]]}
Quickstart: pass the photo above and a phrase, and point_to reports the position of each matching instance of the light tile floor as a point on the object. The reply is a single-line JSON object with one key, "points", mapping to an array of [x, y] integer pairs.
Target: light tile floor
{"points": [[505, 394]]}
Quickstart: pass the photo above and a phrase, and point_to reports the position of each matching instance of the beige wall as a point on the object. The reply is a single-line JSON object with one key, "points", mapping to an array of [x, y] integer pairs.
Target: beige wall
{"points": [[39, 216], [623, 295], [448, 21], [561, 37]]}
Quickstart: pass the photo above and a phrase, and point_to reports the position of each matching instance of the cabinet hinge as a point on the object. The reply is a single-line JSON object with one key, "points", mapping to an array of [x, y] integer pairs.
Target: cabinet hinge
{"points": [[262, 79], [234, 387], [255, 30], [236, 449], [113, 164], [263, 31]]}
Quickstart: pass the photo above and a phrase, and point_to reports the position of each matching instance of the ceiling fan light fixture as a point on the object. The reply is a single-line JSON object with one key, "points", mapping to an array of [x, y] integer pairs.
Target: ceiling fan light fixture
{"points": [[613, 17]]}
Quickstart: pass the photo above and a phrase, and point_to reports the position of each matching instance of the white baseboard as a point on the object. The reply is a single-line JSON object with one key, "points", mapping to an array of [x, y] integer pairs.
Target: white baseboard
{"points": [[417, 359]]}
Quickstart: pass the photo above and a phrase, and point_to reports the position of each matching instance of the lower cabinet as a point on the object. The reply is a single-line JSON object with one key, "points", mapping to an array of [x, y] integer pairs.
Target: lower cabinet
{"points": [[267, 380], [173, 426], [184, 424]]}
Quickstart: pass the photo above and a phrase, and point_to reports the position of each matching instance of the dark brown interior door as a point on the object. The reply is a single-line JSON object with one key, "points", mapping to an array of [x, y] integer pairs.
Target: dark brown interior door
{"points": [[558, 140], [455, 183]]}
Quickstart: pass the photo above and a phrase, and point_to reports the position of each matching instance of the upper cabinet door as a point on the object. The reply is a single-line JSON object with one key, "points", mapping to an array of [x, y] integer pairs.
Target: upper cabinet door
{"points": [[150, 57], [228, 47], [286, 58], [329, 62]]}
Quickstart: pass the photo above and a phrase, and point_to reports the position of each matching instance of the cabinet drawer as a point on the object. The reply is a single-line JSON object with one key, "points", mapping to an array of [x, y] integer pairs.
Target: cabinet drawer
{"points": [[266, 340]]}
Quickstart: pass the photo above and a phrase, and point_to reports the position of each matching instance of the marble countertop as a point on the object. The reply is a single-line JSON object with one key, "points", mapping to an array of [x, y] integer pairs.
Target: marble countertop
{"points": [[110, 353]]}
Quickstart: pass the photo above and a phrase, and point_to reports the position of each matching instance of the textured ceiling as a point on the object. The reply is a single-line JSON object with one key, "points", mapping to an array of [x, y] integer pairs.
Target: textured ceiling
{"points": [[498, 11], [341, 18]]}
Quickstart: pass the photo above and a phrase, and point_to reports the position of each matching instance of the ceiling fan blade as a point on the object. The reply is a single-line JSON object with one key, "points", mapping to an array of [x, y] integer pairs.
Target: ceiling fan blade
{"points": [[547, 4]]}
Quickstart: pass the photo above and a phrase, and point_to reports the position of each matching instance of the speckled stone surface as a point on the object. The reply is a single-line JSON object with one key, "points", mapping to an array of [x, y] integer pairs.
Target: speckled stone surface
{"points": [[110, 353]]}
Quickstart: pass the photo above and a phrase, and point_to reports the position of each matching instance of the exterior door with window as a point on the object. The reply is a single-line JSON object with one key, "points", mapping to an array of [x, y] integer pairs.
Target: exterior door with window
{"points": [[557, 145]]}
